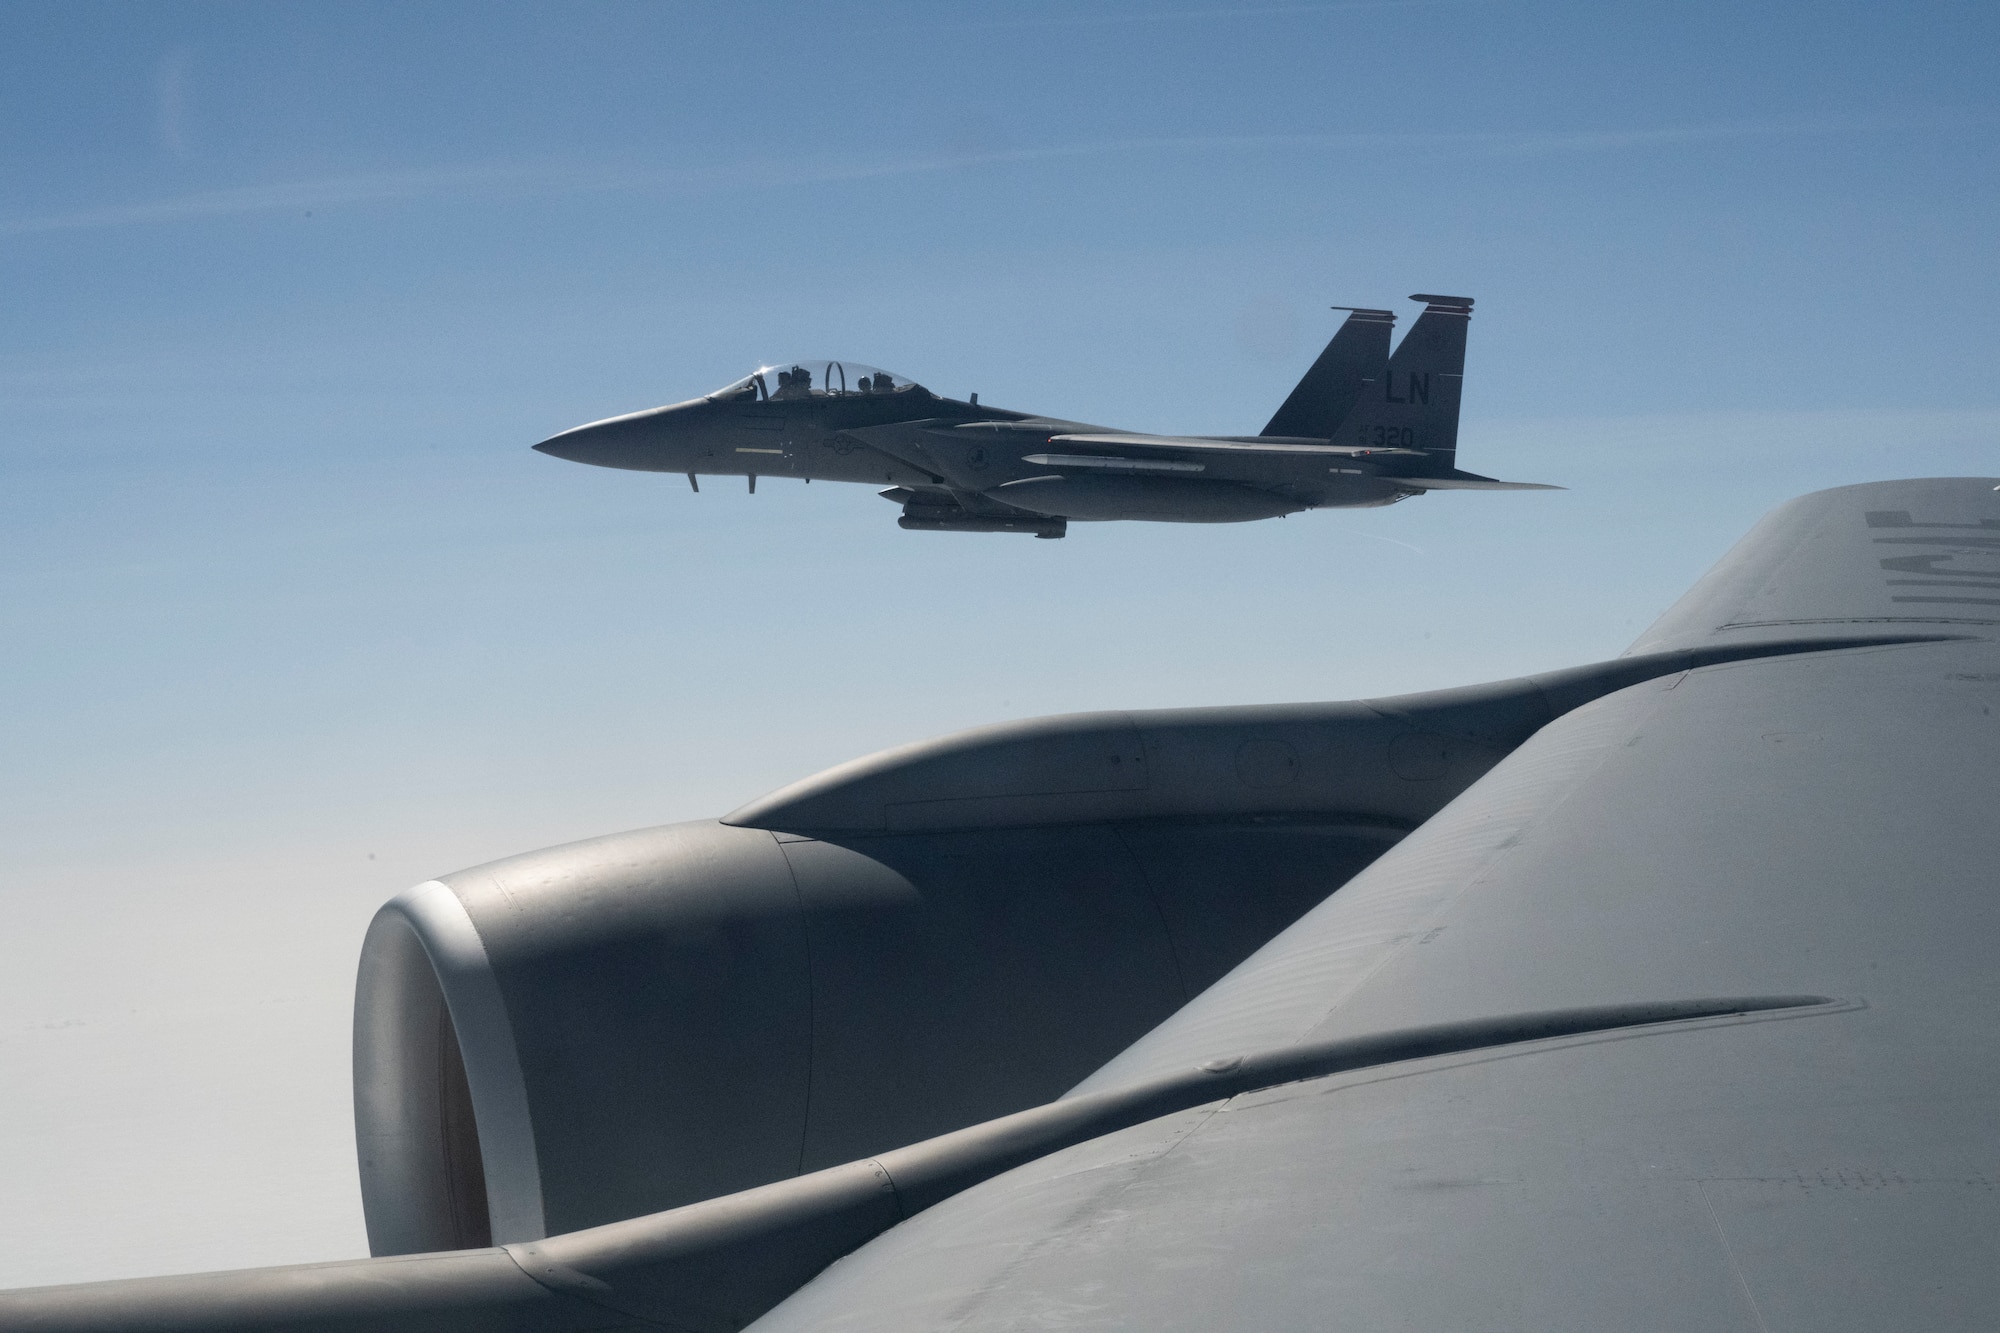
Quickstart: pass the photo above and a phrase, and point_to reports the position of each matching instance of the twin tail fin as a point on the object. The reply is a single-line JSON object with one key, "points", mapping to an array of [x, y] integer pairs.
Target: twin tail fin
{"points": [[1414, 405], [1353, 361]]}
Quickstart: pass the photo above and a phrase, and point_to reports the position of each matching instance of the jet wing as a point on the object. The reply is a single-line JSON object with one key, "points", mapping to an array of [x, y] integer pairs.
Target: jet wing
{"points": [[909, 440], [1453, 481], [1223, 444], [1680, 1016]]}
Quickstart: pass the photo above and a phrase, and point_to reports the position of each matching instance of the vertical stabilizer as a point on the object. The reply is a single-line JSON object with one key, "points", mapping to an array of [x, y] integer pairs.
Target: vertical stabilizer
{"points": [[1329, 391], [1414, 405]]}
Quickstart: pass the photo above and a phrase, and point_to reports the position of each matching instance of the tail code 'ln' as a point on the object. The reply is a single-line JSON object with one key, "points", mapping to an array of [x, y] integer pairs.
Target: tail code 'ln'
{"points": [[1414, 405]]}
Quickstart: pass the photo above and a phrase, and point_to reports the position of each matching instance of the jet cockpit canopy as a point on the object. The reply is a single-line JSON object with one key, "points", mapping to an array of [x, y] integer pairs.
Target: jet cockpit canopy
{"points": [[784, 380]]}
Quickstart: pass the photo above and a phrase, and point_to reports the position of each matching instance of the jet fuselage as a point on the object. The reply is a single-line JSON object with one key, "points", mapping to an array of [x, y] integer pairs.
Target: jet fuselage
{"points": [[1361, 429]]}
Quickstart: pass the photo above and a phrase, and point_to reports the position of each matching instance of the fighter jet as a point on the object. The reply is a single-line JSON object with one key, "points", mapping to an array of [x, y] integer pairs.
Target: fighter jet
{"points": [[1363, 428]]}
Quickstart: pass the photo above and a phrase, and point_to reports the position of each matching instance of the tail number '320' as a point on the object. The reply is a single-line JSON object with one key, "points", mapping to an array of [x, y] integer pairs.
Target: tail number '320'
{"points": [[1387, 437]]}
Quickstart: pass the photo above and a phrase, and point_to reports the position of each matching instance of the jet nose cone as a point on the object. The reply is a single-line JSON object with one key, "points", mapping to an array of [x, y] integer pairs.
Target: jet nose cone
{"points": [[645, 440], [613, 443], [559, 446]]}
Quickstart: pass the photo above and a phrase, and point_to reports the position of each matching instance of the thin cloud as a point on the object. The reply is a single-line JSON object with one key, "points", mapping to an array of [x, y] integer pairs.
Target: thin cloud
{"points": [[1597, 141], [283, 197], [555, 179], [1074, 19], [170, 96], [1378, 537]]}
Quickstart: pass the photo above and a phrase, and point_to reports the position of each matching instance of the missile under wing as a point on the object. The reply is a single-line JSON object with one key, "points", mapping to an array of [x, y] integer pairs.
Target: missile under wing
{"points": [[1668, 1005]]}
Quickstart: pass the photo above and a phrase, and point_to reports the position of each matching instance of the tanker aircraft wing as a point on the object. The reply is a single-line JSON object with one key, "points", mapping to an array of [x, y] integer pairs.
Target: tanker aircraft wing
{"points": [[1513, 1127], [1668, 1006]]}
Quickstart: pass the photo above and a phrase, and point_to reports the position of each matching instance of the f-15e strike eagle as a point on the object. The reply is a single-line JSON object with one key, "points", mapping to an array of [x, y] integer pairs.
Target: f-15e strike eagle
{"points": [[1363, 428], [1652, 994]]}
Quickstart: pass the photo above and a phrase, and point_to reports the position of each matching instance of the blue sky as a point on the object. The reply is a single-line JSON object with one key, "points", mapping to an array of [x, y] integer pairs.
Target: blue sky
{"points": [[295, 619]]}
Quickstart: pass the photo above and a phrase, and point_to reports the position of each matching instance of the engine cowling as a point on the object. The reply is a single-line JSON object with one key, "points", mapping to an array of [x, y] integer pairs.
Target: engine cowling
{"points": [[634, 1022]]}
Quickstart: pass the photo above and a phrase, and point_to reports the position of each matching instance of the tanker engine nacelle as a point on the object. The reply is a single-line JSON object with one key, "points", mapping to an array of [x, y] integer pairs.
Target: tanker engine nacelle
{"points": [[910, 943], [644, 1020]]}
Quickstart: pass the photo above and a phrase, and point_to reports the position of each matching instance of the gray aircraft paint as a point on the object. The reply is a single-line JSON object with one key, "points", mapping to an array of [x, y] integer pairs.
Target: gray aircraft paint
{"points": [[1486, 1083], [1362, 428]]}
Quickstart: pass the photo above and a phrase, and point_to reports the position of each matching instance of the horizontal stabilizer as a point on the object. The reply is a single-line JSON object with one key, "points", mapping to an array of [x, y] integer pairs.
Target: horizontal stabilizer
{"points": [[1470, 483]]}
